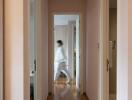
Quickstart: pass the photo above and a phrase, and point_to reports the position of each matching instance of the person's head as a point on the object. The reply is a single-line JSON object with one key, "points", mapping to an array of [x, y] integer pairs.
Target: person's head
{"points": [[60, 43]]}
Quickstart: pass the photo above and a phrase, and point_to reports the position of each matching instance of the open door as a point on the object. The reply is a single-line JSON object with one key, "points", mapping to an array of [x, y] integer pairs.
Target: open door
{"points": [[33, 49], [112, 49], [66, 27], [67, 30], [108, 50], [1, 49], [104, 50]]}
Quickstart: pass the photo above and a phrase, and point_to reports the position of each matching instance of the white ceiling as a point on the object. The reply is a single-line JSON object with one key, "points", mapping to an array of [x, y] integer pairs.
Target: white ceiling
{"points": [[64, 19], [113, 3]]}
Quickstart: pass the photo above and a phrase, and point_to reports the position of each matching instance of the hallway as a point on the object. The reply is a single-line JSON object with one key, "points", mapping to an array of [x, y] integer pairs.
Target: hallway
{"points": [[20, 18], [66, 92]]}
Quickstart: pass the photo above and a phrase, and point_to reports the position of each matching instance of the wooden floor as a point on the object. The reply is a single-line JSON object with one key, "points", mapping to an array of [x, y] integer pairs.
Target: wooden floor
{"points": [[66, 92]]}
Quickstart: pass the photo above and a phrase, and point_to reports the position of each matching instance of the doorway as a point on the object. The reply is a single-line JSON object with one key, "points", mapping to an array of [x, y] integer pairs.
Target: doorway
{"points": [[33, 49], [108, 50], [66, 46], [112, 49]]}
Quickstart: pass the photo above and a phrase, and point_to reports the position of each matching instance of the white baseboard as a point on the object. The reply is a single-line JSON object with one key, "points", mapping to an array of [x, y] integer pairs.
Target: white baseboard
{"points": [[112, 97]]}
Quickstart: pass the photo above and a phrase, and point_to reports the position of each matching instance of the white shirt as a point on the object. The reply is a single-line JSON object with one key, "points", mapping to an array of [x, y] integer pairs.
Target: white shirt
{"points": [[60, 55]]}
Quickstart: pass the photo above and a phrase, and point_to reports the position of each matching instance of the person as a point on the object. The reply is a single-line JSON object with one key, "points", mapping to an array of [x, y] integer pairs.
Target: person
{"points": [[60, 62]]}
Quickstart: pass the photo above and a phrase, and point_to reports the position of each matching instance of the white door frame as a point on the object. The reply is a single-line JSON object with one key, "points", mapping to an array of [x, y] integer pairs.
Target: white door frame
{"points": [[51, 37], [104, 50], [38, 84], [1, 49]]}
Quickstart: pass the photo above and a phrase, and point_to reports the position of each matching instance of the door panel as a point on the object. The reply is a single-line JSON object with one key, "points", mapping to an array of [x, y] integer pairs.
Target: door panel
{"points": [[33, 48], [104, 50]]}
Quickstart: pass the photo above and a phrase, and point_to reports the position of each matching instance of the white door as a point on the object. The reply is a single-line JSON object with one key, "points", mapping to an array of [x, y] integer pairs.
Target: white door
{"points": [[78, 69], [104, 50], [33, 46], [1, 49]]}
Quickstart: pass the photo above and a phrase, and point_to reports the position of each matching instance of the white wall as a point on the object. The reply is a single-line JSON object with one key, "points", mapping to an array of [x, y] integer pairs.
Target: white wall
{"points": [[92, 53], [1, 49], [32, 33], [64, 19], [14, 56]]}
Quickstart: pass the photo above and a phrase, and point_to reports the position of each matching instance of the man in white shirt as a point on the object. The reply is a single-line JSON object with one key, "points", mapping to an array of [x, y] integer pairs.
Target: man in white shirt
{"points": [[60, 62]]}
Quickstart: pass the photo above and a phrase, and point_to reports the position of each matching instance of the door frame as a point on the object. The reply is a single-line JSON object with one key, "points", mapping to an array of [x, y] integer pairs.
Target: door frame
{"points": [[39, 65], [104, 50], [1, 48], [51, 55]]}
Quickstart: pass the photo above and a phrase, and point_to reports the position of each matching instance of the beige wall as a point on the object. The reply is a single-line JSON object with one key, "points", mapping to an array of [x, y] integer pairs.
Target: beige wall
{"points": [[92, 53], [65, 6], [113, 37], [13, 56], [1, 49]]}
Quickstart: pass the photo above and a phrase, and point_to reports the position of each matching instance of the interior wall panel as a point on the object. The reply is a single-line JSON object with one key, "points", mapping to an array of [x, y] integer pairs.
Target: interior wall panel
{"points": [[1, 49]]}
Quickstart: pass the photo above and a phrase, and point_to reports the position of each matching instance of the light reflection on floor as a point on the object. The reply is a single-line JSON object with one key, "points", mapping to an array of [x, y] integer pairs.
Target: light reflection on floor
{"points": [[65, 92]]}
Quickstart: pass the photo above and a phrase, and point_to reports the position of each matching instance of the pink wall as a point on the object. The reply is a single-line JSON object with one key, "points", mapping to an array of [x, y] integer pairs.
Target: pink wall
{"points": [[44, 46], [66, 5], [130, 49], [16, 50], [124, 56], [13, 64], [92, 65], [122, 50], [26, 51]]}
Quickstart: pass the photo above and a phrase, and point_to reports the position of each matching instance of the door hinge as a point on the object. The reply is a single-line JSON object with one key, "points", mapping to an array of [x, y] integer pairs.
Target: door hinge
{"points": [[108, 64]]}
